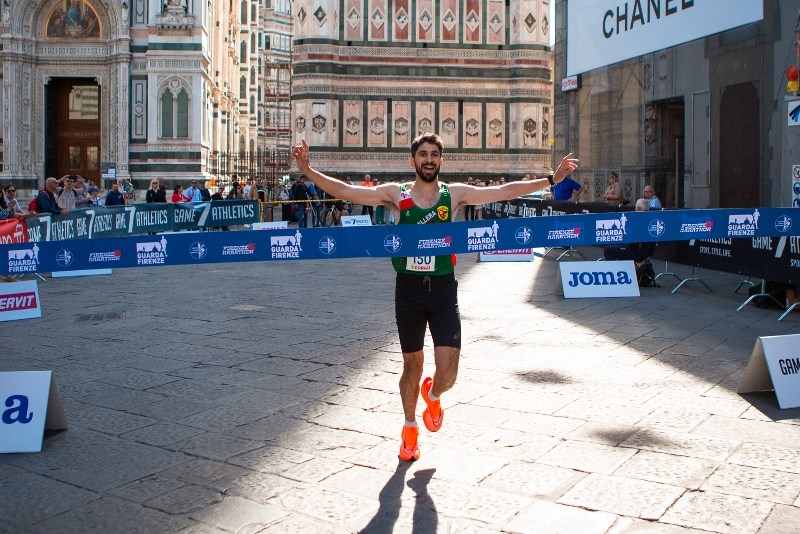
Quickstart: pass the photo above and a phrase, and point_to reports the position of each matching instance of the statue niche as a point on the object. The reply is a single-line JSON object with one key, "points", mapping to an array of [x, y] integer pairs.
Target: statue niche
{"points": [[73, 19]]}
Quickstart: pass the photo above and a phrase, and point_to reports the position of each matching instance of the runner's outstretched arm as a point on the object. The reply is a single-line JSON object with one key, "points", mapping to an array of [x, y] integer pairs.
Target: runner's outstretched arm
{"points": [[370, 196], [471, 195]]}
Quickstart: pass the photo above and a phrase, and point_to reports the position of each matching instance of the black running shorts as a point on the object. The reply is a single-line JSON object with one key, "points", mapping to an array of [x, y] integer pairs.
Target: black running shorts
{"points": [[422, 301]]}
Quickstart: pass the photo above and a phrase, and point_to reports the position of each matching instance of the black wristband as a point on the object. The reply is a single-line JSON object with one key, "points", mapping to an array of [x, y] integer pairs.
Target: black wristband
{"points": [[550, 179]]}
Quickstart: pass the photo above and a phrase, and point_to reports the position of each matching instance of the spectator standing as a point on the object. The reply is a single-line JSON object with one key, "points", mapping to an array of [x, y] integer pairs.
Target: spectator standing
{"points": [[236, 191], [248, 186], [653, 202], [193, 192], [205, 194], [286, 206], [67, 199], [46, 199], [613, 194], [128, 191], [220, 194], [9, 205], [115, 196], [178, 196], [367, 209], [81, 191], [93, 199], [316, 205], [300, 198], [568, 190], [155, 194]]}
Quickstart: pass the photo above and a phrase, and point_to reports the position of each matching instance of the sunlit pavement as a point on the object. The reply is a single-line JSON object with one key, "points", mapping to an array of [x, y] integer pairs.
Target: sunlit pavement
{"points": [[263, 397]]}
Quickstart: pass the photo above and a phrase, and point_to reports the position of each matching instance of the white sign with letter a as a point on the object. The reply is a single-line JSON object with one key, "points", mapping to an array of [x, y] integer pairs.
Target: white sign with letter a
{"points": [[29, 403], [581, 279], [775, 364]]}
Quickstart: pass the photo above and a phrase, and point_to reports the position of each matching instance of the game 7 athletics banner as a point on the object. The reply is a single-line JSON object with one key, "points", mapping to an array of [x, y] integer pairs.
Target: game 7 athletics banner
{"points": [[404, 240], [136, 219]]}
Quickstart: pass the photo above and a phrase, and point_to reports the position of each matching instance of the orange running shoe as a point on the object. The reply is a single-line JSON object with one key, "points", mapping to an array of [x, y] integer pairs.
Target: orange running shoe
{"points": [[433, 416], [409, 450]]}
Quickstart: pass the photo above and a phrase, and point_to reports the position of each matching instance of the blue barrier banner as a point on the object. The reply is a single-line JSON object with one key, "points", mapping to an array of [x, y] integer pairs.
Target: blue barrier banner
{"points": [[117, 221], [405, 240]]}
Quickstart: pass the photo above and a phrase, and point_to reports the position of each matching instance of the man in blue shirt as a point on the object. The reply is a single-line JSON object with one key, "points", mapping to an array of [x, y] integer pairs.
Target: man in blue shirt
{"points": [[567, 189], [653, 202], [115, 196]]}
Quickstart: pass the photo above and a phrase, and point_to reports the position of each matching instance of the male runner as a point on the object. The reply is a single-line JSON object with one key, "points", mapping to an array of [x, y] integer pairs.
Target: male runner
{"points": [[426, 288]]}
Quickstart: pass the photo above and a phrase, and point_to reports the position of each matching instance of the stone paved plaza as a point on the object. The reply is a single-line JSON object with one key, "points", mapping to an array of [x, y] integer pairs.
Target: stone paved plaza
{"points": [[262, 397]]}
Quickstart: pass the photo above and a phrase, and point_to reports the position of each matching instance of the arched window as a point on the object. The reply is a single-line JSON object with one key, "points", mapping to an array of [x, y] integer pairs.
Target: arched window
{"points": [[252, 41], [243, 51], [166, 114], [182, 115], [242, 144], [242, 88], [243, 9], [175, 104], [252, 75], [252, 146], [252, 104]]}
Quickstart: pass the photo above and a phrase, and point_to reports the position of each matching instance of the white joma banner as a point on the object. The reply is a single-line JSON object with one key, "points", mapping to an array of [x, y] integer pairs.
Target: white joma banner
{"points": [[603, 32]]}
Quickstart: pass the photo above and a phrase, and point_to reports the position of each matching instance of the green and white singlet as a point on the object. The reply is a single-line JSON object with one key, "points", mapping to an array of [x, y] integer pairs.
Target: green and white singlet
{"points": [[410, 213]]}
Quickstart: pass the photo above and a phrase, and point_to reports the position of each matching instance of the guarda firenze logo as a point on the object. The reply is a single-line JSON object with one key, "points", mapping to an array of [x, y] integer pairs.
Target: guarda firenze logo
{"points": [[610, 230], [24, 260], [743, 225], [152, 252], [286, 247], [483, 237]]}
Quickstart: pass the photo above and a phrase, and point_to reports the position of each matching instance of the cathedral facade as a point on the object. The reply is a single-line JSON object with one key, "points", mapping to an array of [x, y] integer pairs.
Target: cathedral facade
{"points": [[144, 87], [370, 75]]}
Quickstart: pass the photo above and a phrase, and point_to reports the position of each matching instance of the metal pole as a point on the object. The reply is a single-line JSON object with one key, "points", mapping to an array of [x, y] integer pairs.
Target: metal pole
{"points": [[677, 167]]}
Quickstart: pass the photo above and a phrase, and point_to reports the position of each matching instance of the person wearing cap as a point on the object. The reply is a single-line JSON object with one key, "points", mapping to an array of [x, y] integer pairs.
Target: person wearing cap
{"points": [[220, 194]]}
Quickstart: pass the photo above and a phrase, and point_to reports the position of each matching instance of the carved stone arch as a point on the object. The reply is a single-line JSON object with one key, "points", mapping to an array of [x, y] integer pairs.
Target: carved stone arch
{"points": [[29, 18], [174, 84]]}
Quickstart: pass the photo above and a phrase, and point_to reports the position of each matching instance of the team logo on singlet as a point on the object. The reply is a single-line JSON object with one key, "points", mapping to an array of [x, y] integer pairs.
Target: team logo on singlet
{"points": [[443, 212]]}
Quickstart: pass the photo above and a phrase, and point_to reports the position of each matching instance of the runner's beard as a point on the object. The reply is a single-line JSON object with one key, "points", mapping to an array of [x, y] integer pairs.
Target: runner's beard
{"points": [[428, 175]]}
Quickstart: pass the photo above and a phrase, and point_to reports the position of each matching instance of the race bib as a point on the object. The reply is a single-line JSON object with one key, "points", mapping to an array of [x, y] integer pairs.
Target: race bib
{"points": [[421, 264]]}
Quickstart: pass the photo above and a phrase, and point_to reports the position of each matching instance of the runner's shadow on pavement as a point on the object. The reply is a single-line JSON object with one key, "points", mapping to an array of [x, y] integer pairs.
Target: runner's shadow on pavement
{"points": [[425, 517], [545, 377]]}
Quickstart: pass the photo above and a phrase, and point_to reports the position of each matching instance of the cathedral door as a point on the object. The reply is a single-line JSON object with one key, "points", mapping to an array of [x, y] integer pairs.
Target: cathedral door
{"points": [[73, 128]]}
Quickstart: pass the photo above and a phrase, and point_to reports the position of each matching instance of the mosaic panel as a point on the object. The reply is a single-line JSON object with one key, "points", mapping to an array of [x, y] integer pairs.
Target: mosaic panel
{"points": [[353, 122], [426, 28], [425, 117], [473, 21], [473, 120], [448, 120], [376, 129], [448, 21], [496, 22], [377, 22], [401, 115], [401, 21], [354, 20], [495, 125]]}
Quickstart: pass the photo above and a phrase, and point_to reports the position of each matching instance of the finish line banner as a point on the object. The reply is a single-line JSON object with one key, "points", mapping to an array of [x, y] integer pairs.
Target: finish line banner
{"points": [[405, 240], [135, 219]]}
